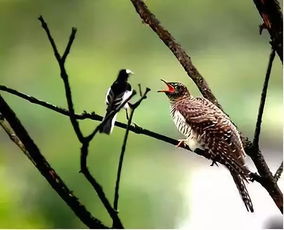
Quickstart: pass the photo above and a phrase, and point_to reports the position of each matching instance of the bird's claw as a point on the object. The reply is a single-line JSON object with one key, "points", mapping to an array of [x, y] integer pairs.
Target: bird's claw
{"points": [[180, 143]]}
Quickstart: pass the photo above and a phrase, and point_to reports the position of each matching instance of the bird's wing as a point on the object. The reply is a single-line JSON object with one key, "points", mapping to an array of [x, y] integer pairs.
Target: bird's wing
{"points": [[114, 98], [214, 128]]}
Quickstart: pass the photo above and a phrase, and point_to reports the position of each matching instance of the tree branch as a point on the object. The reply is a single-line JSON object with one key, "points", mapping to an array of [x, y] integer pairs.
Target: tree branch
{"points": [[64, 75], [123, 148], [262, 100], [21, 137], [268, 180], [75, 124], [271, 14], [150, 19], [93, 116]]}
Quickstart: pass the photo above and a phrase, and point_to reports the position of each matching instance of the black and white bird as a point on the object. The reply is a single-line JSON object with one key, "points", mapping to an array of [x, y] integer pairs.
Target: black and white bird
{"points": [[119, 91]]}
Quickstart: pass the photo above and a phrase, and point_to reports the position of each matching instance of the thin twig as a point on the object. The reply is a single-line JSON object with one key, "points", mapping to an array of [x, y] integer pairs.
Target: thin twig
{"points": [[64, 75], [262, 100], [69, 44], [278, 173], [28, 146], [140, 90], [123, 148]]}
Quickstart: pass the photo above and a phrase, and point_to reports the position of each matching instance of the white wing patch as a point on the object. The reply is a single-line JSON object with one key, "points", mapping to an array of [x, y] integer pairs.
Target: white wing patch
{"points": [[108, 96], [118, 100], [126, 95]]}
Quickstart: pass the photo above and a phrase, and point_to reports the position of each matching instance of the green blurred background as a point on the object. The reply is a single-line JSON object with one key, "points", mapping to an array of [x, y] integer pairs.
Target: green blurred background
{"points": [[222, 39]]}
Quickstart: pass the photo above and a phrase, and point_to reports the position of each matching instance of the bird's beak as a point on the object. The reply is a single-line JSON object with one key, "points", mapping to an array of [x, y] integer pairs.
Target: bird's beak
{"points": [[129, 72], [170, 89]]}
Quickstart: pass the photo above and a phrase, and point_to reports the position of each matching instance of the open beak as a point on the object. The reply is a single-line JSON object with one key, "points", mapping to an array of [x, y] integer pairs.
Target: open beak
{"points": [[170, 89]]}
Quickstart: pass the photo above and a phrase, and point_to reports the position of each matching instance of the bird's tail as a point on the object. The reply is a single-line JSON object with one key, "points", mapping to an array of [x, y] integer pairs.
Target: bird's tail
{"points": [[108, 126], [240, 183]]}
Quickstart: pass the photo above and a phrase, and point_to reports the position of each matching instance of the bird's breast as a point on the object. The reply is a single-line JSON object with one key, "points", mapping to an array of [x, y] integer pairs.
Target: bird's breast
{"points": [[193, 139]]}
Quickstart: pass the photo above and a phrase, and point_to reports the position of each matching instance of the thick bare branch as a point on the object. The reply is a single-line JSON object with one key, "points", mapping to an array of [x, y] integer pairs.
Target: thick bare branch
{"points": [[21, 137]]}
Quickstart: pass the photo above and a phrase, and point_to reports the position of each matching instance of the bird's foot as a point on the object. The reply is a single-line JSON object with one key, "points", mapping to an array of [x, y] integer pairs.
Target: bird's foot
{"points": [[214, 163], [181, 143]]}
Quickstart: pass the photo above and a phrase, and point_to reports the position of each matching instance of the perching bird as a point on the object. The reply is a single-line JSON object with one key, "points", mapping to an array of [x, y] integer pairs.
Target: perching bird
{"points": [[208, 128], [119, 91]]}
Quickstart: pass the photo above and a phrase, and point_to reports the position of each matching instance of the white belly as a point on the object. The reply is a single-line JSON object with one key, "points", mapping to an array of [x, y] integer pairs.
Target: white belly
{"points": [[192, 139]]}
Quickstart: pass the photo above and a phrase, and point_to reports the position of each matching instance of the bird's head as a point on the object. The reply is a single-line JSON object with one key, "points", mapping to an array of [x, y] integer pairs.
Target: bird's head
{"points": [[175, 90], [124, 74]]}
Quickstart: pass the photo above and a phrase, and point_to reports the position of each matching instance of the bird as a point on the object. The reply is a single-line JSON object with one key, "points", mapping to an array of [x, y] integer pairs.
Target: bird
{"points": [[207, 128], [119, 91]]}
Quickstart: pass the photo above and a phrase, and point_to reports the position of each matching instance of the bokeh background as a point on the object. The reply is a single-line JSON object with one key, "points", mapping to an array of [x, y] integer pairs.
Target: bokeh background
{"points": [[161, 186]]}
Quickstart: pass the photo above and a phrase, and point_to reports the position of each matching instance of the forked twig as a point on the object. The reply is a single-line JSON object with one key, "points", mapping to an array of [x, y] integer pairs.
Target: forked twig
{"points": [[75, 124]]}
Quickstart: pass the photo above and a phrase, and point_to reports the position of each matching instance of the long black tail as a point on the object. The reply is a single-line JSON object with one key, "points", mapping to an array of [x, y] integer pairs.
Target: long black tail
{"points": [[108, 126], [239, 181]]}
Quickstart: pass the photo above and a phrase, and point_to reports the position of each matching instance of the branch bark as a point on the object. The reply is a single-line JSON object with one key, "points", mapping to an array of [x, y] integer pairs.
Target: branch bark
{"points": [[21, 137], [278, 173]]}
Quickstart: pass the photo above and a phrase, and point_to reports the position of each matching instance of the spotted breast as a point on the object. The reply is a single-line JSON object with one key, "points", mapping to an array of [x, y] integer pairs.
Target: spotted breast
{"points": [[193, 140]]}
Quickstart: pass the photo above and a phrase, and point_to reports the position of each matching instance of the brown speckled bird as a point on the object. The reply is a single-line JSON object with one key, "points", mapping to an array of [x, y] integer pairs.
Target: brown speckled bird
{"points": [[208, 128]]}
